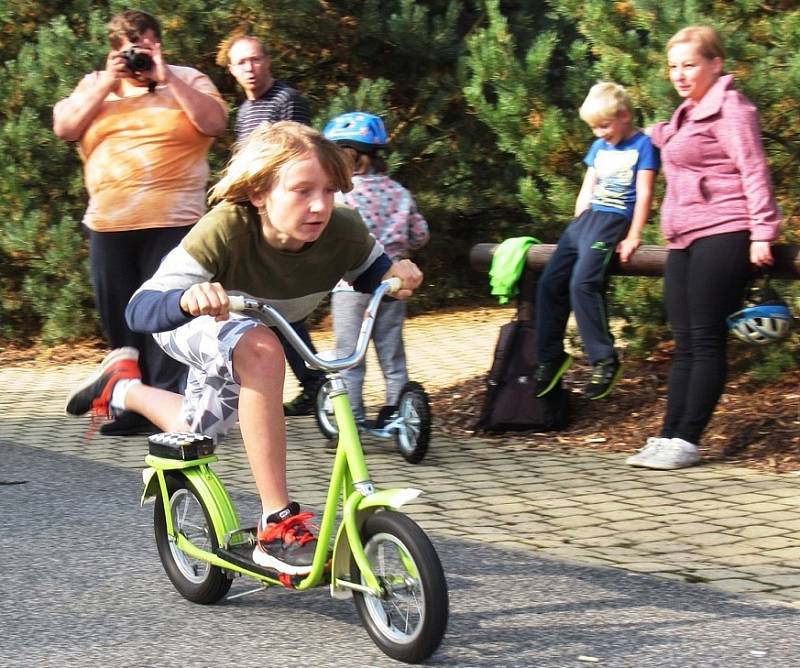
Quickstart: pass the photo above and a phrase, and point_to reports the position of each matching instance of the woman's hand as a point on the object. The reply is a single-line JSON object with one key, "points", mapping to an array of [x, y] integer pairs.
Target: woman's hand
{"points": [[760, 253], [206, 299], [409, 273]]}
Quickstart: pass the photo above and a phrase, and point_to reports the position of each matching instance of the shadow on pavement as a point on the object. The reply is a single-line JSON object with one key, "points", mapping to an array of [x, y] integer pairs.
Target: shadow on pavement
{"points": [[83, 586]]}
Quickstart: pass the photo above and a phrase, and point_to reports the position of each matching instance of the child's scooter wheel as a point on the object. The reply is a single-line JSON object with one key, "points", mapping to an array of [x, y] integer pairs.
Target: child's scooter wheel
{"points": [[410, 619], [414, 432], [323, 412], [195, 580]]}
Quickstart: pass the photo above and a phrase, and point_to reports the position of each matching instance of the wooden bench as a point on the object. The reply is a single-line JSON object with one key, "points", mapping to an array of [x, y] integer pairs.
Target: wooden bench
{"points": [[646, 261]]}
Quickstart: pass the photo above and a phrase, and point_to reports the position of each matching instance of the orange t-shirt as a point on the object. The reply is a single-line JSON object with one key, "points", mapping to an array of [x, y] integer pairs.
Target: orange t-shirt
{"points": [[145, 164]]}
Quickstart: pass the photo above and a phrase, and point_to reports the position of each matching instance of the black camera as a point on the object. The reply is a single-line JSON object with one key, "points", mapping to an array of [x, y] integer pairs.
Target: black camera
{"points": [[137, 61]]}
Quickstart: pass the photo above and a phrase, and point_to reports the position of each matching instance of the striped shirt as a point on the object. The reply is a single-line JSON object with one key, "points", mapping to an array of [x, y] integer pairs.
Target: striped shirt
{"points": [[280, 103]]}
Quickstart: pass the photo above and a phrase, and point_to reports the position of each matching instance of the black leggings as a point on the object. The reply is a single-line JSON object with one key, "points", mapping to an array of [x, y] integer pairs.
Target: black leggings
{"points": [[703, 284]]}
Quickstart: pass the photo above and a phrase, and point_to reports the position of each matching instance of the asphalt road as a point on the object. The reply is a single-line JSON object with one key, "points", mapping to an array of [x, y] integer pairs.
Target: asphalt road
{"points": [[82, 586]]}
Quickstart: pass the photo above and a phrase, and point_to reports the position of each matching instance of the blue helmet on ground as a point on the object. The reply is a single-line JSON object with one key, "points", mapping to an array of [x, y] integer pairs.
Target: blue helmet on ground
{"points": [[359, 130], [765, 319]]}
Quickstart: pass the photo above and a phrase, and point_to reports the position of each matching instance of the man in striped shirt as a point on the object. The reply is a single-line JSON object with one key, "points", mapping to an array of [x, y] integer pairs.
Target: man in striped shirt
{"points": [[269, 101]]}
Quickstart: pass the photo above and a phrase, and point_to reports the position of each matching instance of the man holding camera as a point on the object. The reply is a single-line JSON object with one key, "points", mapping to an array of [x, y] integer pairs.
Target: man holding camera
{"points": [[144, 130]]}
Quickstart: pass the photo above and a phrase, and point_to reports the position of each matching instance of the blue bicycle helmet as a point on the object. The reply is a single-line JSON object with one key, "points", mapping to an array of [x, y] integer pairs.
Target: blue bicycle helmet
{"points": [[361, 131], [766, 317]]}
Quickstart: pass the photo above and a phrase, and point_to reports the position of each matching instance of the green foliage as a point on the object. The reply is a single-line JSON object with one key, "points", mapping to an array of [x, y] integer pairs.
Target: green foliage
{"points": [[765, 364], [480, 100], [515, 97], [639, 303], [43, 279]]}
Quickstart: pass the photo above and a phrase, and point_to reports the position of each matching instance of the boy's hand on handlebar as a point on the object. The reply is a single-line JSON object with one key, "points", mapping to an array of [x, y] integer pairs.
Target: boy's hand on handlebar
{"points": [[409, 273], [206, 299]]}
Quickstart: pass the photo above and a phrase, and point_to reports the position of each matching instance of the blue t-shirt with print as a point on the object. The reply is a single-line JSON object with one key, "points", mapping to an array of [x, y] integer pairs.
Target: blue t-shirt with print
{"points": [[616, 168]]}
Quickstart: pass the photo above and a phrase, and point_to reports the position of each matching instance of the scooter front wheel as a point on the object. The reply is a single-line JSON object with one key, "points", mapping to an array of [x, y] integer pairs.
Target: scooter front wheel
{"points": [[323, 412], [195, 580], [414, 433], [409, 619]]}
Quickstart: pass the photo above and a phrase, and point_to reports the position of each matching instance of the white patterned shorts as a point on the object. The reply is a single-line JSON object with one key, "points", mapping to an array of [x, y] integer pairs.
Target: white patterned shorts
{"points": [[205, 345]]}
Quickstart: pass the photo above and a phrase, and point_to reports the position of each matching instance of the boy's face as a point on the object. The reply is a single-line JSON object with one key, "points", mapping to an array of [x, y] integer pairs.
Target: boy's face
{"points": [[613, 130], [299, 205]]}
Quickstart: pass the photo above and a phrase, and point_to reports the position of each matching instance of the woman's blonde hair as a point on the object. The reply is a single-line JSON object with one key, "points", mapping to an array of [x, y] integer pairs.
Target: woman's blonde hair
{"points": [[258, 159], [705, 38], [604, 102]]}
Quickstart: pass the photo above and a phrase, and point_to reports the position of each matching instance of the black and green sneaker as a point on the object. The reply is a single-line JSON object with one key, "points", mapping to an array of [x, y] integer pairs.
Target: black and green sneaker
{"points": [[605, 374], [302, 404], [549, 373], [384, 415]]}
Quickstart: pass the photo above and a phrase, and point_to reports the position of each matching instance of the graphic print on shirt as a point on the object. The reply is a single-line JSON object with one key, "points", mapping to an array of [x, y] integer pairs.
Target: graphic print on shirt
{"points": [[615, 175]]}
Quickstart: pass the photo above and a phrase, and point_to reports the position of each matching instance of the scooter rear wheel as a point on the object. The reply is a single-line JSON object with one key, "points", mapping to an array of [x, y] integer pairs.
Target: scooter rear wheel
{"points": [[414, 435], [409, 620], [195, 580]]}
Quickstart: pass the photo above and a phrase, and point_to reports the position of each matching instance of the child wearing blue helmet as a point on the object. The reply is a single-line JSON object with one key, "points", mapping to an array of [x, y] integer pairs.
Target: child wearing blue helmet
{"points": [[391, 215]]}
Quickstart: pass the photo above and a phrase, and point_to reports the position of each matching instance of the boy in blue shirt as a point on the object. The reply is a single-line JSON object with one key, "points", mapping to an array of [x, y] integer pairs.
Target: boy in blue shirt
{"points": [[612, 208]]}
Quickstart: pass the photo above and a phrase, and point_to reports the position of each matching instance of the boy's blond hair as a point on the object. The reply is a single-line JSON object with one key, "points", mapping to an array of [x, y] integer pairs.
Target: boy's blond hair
{"points": [[258, 159], [605, 102]]}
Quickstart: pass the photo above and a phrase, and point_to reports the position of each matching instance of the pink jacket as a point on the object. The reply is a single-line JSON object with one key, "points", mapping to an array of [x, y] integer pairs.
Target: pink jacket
{"points": [[716, 170]]}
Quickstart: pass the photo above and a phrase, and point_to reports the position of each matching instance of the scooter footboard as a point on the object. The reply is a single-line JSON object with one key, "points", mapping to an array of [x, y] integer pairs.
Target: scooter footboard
{"points": [[342, 553]]}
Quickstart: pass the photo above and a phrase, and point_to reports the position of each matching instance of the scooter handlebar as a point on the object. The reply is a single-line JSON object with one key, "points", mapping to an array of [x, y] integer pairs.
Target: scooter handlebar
{"points": [[272, 317], [394, 284], [237, 302]]}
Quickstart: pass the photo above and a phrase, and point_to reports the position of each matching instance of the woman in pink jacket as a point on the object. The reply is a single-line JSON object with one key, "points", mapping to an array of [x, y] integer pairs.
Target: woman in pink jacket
{"points": [[719, 217]]}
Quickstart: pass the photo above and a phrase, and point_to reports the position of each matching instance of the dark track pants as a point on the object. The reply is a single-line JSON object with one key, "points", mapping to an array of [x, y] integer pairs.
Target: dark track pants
{"points": [[120, 263], [575, 278], [703, 284], [310, 379]]}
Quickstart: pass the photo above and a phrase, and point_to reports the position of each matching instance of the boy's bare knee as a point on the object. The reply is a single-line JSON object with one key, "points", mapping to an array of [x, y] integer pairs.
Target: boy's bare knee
{"points": [[258, 353]]}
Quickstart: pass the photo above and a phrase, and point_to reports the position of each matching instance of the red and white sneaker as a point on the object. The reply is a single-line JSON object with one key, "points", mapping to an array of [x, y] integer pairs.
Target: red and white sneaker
{"points": [[94, 393], [286, 544]]}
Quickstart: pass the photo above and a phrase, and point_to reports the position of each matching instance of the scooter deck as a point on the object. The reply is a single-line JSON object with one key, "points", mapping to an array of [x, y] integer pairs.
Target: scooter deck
{"points": [[242, 556], [239, 551]]}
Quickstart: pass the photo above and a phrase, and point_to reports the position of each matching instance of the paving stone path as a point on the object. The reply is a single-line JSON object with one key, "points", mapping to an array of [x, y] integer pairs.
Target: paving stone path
{"points": [[731, 528]]}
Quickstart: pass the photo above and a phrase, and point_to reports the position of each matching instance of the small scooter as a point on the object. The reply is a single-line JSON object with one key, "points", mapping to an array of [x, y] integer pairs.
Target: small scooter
{"points": [[409, 425]]}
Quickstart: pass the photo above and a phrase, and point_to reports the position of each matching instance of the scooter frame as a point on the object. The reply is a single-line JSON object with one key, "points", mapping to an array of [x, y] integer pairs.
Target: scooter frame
{"points": [[350, 488]]}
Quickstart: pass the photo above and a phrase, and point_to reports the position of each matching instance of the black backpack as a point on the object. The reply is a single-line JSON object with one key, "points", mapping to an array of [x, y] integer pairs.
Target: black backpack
{"points": [[510, 404]]}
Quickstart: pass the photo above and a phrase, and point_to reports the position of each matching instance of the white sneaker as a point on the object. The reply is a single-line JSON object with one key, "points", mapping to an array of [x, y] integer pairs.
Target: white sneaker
{"points": [[669, 454], [652, 445]]}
